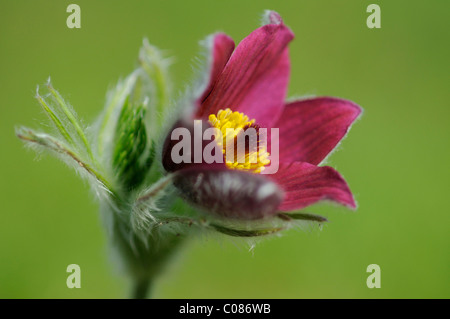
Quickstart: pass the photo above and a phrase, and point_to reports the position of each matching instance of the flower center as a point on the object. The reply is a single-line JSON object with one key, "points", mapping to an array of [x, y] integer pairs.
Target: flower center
{"points": [[252, 157]]}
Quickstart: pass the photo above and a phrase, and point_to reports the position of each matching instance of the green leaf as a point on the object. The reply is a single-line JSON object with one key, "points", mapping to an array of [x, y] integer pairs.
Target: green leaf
{"points": [[59, 147], [302, 216], [114, 102], [55, 119], [156, 66], [243, 232], [71, 118]]}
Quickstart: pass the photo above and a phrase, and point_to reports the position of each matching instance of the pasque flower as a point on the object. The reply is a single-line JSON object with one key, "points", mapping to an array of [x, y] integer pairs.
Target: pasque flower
{"points": [[149, 202], [246, 87]]}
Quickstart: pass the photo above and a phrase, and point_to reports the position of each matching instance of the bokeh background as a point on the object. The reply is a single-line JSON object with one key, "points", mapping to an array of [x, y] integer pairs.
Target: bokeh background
{"points": [[396, 158]]}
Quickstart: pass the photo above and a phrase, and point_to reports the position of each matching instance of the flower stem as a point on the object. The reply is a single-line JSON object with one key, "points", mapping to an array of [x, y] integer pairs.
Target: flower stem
{"points": [[141, 289]]}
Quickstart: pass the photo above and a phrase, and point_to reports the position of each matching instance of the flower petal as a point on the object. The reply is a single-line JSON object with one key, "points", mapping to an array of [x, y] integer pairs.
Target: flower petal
{"points": [[229, 193], [221, 47], [192, 155], [305, 184], [255, 79], [310, 129]]}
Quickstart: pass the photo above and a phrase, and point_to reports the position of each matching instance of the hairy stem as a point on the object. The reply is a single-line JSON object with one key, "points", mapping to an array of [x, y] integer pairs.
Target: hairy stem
{"points": [[141, 289], [143, 257]]}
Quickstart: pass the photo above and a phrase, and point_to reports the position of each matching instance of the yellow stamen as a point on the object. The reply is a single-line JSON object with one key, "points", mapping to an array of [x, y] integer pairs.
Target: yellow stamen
{"points": [[253, 161]]}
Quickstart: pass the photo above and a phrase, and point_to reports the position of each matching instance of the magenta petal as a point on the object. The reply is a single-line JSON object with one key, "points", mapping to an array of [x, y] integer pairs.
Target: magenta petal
{"points": [[255, 79], [221, 47], [305, 184], [229, 193], [310, 129]]}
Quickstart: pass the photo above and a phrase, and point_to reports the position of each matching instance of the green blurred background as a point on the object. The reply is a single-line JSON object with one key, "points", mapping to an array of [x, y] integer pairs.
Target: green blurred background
{"points": [[395, 158]]}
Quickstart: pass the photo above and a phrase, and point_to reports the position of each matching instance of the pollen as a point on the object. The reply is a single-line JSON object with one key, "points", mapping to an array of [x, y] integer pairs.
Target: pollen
{"points": [[251, 156]]}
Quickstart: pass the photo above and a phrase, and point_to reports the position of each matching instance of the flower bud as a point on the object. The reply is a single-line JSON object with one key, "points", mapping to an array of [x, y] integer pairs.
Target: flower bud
{"points": [[132, 156]]}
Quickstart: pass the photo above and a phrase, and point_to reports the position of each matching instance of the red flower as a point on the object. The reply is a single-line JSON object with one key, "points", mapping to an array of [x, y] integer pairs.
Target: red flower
{"points": [[252, 79]]}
